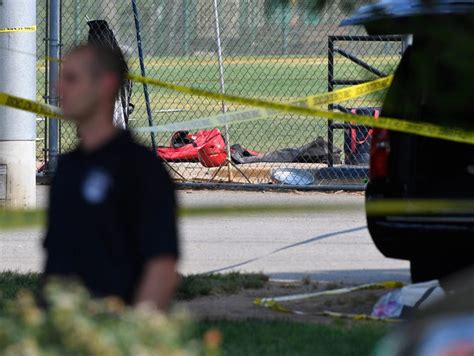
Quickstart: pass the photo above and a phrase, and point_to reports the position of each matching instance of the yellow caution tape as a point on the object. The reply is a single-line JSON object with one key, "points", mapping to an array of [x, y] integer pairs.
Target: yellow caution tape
{"points": [[305, 106], [259, 113], [390, 285], [358, 317], [274, 303], [311, 101], [419, 128], [277, 307], [49, 59], [381, 208], [29, 105], [289, 298], [450, 133], [12, 219], [18, 29]]}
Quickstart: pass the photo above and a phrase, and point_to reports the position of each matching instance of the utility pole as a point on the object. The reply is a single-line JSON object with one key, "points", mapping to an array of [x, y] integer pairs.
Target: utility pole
{"points": [[18, 128]]}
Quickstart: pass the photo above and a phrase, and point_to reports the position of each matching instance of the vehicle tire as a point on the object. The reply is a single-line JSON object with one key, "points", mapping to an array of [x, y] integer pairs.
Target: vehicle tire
{"points": [[423, 270]]}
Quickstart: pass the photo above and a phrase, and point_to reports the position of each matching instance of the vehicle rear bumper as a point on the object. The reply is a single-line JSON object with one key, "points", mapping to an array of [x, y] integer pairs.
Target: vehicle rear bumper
{"points": [[411, 236], [406, 237]]}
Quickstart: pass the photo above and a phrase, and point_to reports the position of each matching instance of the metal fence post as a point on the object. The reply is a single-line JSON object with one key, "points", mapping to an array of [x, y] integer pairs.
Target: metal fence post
{"points": [[46, 83], [330, 107], [222, 83], [54, 52], [143, 71]]}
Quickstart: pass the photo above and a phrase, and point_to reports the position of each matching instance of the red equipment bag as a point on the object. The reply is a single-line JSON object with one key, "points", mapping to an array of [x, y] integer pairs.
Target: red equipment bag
{"points": [[185, 147]]}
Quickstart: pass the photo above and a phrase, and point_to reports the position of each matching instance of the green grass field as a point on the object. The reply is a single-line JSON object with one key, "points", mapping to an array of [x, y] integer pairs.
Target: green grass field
{"points": [[272, 78], [250, 337], [191, 286], [262, 338]]}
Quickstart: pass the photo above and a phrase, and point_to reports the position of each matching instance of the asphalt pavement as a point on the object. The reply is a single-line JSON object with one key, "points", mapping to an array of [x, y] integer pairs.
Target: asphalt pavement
{"points": [[331, 246]]}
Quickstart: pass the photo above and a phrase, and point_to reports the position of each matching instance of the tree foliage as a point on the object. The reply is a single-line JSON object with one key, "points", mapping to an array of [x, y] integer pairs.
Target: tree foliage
{"points": [[314, 6]]}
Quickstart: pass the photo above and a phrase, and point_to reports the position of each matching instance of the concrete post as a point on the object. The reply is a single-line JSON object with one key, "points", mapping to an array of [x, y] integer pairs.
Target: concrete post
{"points": [[18, 128]]}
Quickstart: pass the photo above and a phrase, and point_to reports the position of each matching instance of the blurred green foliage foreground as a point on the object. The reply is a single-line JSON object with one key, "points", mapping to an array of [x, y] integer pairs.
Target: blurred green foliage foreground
{"points": [[75, 324]]}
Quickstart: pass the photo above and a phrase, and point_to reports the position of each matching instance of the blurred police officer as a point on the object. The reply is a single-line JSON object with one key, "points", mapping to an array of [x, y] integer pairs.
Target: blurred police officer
{"points": [[111, 220]]}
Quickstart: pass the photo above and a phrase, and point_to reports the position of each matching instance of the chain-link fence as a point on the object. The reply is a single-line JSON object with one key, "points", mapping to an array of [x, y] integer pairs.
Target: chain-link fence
{"points": [[253, 48]]}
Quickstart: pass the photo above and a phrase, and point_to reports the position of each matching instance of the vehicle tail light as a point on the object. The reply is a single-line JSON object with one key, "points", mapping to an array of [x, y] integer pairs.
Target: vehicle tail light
{"points": [[379, 154]]}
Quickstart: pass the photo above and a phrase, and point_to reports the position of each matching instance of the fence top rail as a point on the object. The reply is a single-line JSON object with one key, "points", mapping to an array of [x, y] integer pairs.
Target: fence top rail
{"points": [[366, 38]]}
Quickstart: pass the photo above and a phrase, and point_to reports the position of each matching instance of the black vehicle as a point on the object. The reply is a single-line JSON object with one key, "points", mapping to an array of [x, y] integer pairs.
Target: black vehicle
{"points": [[432, 84]]}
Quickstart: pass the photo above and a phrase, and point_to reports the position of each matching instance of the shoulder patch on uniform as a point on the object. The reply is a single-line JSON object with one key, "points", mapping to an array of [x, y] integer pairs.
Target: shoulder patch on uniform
{"points": [[96, 185]]}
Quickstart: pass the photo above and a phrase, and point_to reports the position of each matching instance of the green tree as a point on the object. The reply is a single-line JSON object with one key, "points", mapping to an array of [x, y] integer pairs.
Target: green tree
{"points": [[312, 6]]}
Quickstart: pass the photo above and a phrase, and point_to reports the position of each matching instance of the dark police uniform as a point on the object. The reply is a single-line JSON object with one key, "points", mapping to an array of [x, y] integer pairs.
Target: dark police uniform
{"points": [[110, 212]]}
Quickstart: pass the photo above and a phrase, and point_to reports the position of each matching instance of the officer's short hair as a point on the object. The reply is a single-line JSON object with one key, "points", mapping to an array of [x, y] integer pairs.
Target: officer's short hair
{"points": [[106, 59]]}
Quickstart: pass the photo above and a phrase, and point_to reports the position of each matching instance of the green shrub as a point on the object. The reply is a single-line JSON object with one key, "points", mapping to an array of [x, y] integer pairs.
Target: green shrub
{"points": [[74, 323]]}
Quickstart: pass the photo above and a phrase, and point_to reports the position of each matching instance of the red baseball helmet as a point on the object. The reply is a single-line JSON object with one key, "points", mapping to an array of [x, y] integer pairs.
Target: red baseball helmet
{"points": [[212, 154]]}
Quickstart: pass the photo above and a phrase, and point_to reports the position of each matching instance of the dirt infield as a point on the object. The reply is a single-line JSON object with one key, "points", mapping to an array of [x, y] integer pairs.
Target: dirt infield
{"points": [[241, 307]]}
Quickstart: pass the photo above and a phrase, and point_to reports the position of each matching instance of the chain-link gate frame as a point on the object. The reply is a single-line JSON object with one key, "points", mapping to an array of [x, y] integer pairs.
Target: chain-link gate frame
{"points": [[357, 137], [273, 53]]}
